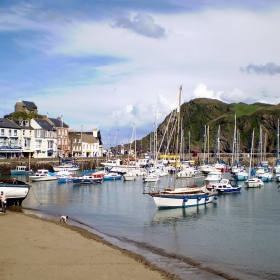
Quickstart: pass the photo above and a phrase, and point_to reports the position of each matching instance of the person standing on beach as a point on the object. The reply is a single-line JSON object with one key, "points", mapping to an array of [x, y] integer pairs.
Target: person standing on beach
{"points": [[3, 201]]}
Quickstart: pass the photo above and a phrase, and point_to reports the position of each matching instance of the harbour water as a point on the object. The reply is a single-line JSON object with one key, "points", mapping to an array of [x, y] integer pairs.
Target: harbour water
{"points": [[236, 237]]}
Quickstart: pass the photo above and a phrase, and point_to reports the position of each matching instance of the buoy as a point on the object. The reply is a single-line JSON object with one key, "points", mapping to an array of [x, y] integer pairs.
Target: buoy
{"points": [[215, 197], [185, 199], [198, 198], [206, 198]]}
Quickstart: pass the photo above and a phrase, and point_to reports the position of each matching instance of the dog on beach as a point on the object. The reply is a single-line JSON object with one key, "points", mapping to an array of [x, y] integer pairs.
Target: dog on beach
{"points": [[63, 219]]}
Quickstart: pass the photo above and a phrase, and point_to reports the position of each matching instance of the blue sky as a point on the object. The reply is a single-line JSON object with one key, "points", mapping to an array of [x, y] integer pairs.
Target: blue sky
{"points": [[112, 64]]}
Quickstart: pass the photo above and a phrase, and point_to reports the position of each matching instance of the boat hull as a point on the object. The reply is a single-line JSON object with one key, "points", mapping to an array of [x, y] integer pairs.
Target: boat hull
{"points": [[42, 178], [16, 193], [181, 201]]}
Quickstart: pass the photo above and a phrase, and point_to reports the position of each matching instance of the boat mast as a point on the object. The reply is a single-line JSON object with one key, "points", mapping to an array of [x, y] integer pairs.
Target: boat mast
{"points": [[251, 155], [177, 133]]}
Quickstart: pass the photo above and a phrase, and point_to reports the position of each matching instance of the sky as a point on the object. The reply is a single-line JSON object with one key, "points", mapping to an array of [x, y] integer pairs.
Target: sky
{"points": [[117, 65]]}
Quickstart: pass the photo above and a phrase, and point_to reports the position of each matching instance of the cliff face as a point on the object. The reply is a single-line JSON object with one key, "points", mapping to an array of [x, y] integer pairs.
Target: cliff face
{"points": [[199, 114]]}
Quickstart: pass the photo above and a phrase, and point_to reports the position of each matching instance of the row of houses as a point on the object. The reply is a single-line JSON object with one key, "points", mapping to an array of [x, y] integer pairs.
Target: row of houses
{"points": [[44, 137]]}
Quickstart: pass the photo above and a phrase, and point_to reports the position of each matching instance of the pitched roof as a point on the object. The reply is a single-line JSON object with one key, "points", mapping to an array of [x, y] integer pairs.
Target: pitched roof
{"points": [[6, 123], [45, 124], [29, 105], [89, 138], [58, 123]]}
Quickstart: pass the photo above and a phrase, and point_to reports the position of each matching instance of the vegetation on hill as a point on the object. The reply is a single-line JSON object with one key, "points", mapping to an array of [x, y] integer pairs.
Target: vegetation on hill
{"points": [[199, 114]]}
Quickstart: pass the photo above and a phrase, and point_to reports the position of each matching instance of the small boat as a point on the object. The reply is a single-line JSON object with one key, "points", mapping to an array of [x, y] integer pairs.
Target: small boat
{"points": [[225, 186], [129, 176], [213, 176], [150, 177], [266, 177], [241, 175], [22, 170], [111, 176], [15, 190], [43, 175], [254, 182], [67, 167], [86, 179]]}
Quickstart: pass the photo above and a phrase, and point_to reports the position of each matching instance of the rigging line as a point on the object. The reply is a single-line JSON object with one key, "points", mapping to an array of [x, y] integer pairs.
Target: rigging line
{"points": [[35, 196]]}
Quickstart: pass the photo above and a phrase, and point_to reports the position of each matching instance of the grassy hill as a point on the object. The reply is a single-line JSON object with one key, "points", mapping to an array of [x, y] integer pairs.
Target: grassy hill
{"points": [[199, 114]]}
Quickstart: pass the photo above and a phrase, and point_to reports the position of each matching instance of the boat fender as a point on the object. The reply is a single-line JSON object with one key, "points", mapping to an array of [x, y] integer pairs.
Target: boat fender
{"points": [[206, 198], [198, 198], [215, 197], [185, 199]]}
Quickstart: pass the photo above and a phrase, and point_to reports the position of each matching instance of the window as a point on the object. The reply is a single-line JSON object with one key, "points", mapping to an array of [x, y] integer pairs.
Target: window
{"points": [[23, 132], [38, 144], [50, 144], [2, 132], [27, 143], [10, 132], [15, 132]]}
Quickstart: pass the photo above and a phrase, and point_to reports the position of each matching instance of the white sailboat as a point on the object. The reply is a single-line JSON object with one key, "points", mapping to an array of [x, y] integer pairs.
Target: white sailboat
{"points": [[253, 182], [184, 196]]}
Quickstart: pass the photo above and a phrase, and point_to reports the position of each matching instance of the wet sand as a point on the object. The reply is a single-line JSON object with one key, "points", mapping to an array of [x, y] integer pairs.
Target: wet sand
{"points": [[35, 248]]}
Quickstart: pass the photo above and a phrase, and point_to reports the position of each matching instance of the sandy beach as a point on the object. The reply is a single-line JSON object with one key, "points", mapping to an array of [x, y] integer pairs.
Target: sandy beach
{"points": [[35, 248]]}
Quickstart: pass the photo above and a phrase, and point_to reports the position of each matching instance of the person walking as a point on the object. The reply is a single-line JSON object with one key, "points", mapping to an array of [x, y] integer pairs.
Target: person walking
{"points": [[3, 201]]}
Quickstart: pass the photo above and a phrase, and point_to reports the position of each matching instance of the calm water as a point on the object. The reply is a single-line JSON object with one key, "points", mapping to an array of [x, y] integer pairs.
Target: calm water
{"points": [[237, 236]]}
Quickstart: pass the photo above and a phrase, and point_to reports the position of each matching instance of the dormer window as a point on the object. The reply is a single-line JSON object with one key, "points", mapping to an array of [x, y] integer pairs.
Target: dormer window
{"points": [[21, 122], [26, 123]]}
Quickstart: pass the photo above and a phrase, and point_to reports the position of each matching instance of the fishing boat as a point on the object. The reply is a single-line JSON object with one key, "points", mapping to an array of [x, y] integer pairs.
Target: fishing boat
{"points": [[15, 190], [225, 186], [42, 175], [183, 196], [22, 170]]}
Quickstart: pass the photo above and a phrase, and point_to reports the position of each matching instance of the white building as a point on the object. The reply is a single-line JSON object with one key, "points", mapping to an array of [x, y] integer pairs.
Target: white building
{"points": [[45, 137]]}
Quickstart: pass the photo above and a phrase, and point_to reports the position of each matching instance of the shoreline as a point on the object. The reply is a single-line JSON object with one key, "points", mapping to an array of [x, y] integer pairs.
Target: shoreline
{"points": [[34, 247]]}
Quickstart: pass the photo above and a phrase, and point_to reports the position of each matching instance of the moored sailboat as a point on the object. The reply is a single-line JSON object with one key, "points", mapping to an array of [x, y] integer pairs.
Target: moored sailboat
{"points": [[183, 196]]}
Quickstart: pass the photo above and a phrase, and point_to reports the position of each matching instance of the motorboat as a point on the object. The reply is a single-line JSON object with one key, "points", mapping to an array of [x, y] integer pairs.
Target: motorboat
{"points": [[22, 170], [213, 176], [129, 176], [151, 177], [254, 182], [15, 190], [225, 186], [67, 167], [86, 179], [43, 175]]}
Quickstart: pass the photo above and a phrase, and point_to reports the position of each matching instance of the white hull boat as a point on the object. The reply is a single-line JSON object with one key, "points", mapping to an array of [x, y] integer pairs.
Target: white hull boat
{"points": [[15, 190], [254, 183], [42, 175]]}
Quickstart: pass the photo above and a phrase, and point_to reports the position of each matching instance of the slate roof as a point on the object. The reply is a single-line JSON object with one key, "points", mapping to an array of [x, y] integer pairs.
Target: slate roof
{"points": [[5, 123], [16, 121], [57, 123], [29, 105], [45, 125]]}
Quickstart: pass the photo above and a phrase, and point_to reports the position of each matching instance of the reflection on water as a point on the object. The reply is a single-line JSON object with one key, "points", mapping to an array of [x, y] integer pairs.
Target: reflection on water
{"points": [[169, 216]]}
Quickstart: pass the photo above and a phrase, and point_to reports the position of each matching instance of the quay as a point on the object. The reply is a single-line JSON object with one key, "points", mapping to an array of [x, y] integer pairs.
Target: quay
{"points": [[86, 163]]}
